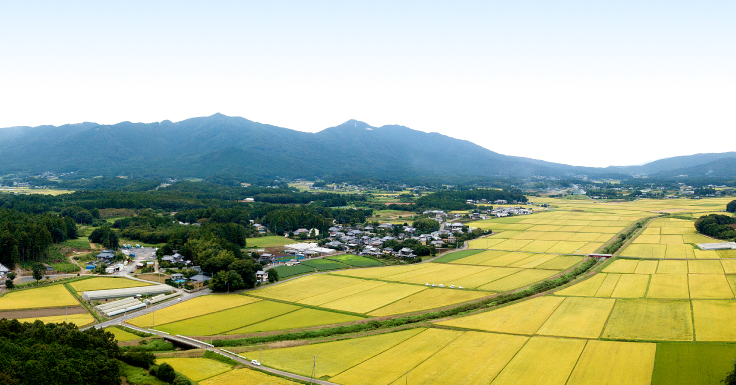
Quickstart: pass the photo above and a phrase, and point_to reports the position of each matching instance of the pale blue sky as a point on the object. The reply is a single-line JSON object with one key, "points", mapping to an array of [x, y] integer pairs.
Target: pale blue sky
{"points": [[553, 80]]}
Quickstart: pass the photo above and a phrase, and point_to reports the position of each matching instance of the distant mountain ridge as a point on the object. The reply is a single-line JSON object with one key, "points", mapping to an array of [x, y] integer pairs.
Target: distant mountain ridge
{"points": [[236, 147]]}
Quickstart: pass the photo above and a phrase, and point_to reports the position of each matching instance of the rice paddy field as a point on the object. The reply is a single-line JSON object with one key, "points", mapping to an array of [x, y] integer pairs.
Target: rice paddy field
{"points": [[372, 297], [105, 283], [77, 319], [662, 313], [236, 314], [38, 298]]}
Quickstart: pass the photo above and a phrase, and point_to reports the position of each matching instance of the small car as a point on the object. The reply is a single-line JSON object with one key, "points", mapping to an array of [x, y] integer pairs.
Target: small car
{"points": [[255, 362]]}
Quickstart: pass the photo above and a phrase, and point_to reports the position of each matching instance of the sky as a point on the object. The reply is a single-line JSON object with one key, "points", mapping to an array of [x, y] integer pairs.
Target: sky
{"points": [[587, 83]]}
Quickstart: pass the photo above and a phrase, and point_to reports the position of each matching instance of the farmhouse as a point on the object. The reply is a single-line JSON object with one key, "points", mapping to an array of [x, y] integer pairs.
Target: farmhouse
{"points": [[261, 276], [3, 270], [106, 255]]}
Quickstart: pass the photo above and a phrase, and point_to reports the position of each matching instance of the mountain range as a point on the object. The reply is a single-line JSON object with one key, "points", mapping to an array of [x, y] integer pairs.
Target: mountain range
{"points": [[234, 147]]}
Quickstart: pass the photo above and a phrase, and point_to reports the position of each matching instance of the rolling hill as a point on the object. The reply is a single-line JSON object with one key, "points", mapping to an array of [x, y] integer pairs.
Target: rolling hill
{"points": [[234, 147]]}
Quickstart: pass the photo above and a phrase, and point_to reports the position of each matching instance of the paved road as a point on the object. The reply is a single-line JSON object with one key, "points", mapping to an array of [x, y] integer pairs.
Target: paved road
{"points": [[236, 357]]}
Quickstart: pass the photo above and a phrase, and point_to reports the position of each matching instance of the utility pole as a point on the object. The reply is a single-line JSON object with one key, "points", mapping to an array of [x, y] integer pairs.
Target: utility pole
{"points": [[211, 335], [153, 321], [66, 313], [314, 365]]}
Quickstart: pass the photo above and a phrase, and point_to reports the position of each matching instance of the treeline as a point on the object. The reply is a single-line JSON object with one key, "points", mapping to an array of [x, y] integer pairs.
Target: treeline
{"points": [[731, 206], [180, 196], [456, 200], [27, 237], [717, 226], [38, 353]]}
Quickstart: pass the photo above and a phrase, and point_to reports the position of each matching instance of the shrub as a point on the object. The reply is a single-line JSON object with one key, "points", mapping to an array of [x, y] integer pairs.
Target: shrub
{"points": [[165, 373], [139, 359]]}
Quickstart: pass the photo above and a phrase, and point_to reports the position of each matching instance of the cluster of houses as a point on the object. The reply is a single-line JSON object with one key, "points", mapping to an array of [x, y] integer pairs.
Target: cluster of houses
{"points": [[198, 280], [175, 259], [365, 241]]}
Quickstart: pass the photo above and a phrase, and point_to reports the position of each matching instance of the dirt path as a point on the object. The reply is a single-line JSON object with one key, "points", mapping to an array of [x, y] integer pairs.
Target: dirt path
{"points": [[37, 313]]}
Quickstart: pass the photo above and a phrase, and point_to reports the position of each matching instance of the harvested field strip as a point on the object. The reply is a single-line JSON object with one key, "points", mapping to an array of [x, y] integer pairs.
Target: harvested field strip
{"points": [[228, 320], [428, 299], [301, 318], [306, 287], [336, 356], [517, 280], [578, 317], [388, 366], [714, 320], [668, 286], [194, 307], [709, 286], [372, 299], [486, 353], [529, 366], [650, 319], [631, 286], [525, 317], [197, 369], [48, 296], [612, 362]]}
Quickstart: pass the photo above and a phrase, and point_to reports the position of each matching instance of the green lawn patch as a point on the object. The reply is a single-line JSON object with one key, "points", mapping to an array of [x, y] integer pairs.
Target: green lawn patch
{"points": [[457, 255], [692, 363], [289, 271], [270, 241], [355, 260], [324, 264]]}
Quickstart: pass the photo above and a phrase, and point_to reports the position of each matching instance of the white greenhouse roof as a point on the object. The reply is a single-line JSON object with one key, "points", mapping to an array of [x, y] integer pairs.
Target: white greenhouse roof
{"points": [[127, 292]]}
